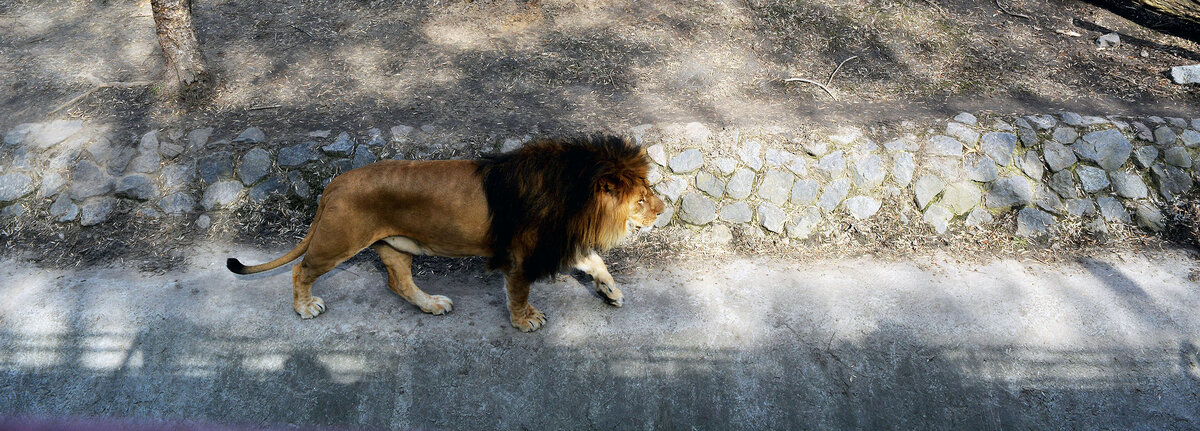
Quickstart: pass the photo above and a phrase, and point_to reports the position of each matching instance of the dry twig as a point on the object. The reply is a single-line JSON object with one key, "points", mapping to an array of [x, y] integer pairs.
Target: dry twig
{"points": [[1007, 12], [259, 108], [823, 87]]}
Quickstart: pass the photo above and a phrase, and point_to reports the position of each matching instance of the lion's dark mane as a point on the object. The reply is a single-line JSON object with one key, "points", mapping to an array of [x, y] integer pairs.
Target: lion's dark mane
{"points": [[538, 195]]}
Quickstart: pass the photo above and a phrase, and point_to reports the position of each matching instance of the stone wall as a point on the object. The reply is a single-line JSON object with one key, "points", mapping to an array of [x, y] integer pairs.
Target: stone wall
{"points": [[1047, 168]]}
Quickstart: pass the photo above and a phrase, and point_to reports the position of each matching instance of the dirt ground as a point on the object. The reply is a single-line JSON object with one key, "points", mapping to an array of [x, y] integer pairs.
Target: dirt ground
{"points": [[484, 69]]}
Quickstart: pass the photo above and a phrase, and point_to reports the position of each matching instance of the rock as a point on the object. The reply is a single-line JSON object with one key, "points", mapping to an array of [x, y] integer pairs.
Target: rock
{"points": [[657, 153], [52, 183], [771, 217], [17, 135], [869, 172], [511, 144], [147, 212], [980, 168], [663, 219], [96, 210], [709, 184], [1145, 156], [1143, 131], [203, 222], [1112, 210], [963, 133], [1058, 157], [1029, 137], [251, 135], [906, 143], [725, 165], [215, 166], [1129, 185], [776, 157], [687, 162], [966, 118], [145, 163], [1080, 207], [1190, 138], [341, 147], [1072, 119], [1177, 122], [938, 217], [299, 186], [362, 157], [1063, 183], [137, 186], [697, 132], [1092, 179], [940, 145], [15, 186], [1186, 74], [198, 139], [296, 155], [255, 164], [834, 193], [671, 188], [221, 195], [804, 192], [862, 207], [13, 212], [749, 153], [697, 209], [178, 176], [399, 133], [926, 188], [776, 186], [737, 212], [1032, 222], [170, 150], [1000, 146], [148, 143], [798, 166], [960, 197], [1065, 135], [1009, 191], [833, 163], [1177, 156], [846, 136], [1042, 122], [63, 209], [88, 180], [903, 167], [1172, 181], [120, 160], [51, 134], [815, 148], [177, 203], [1111, 148], [802, 225], [1164, 136], [1110, 40], [979, 217], [272, 186], [740, 184], [375, 141], [654, 175], [1049, 201], [1150, 217]]}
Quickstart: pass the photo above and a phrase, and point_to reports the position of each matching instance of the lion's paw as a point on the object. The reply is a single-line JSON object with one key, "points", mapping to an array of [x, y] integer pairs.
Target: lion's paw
{"points": [[310, 309], [437, 305], [529, 319], [610, 294]]}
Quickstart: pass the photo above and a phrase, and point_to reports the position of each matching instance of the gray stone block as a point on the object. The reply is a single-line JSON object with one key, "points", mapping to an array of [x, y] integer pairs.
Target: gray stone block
{"points": [[88, 180], [869, 172], [296, 155], [1063, 183], [1080, 207], [1164, 136], [1112, 210], [725, 165], [299, 185], [697, 209], [178, 176], [1058, 156], [1032, 222], [1049, 201], [177, 203], [833, 163], [1145, 156], [940, 145], [771, 217], [963, 133], [1111, 148], [272, 186], [980, 168], [687, 162], [805, 191], [1000, 146], [658, 154], [221, 195], [1177, 156], [137, 186], [961, 197], [198, 139], [834, 194], [979, 217], [776, 186], [750, 154], [1092, 179], [1150, 217], [1190, 138], [938, 217], [903, 167], [1129, 185], [926, 188], [1172, 181], [1009, 191], [862, 207], [804, 224], [15, 186], [740, 184], [671, 188], [96, 210], [252, 135], [63, 209], [1065, 135], [342, 146], [215, 167], [737, 212], [710, 184], [255, 165]]}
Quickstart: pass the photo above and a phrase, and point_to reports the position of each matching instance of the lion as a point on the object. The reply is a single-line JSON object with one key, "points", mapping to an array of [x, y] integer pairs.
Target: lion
{"points": [[548, 206]]}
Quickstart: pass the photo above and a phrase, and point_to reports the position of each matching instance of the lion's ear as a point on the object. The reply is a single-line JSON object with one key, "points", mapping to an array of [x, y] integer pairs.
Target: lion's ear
{"points": [[606, 185]]}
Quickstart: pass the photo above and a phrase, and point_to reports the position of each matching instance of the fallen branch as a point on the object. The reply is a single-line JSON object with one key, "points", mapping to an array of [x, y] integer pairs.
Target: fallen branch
{"points": [[85, 94], [823, 87], [258, 108], [835, 71], [1006, 11]]}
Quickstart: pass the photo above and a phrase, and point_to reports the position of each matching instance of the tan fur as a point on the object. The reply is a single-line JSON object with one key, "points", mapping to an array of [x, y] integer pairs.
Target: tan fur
{"points": [[399, 208]]}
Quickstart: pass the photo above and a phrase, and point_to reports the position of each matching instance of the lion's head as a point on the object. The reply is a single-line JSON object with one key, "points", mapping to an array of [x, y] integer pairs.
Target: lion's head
{"points": [[553, 201]]}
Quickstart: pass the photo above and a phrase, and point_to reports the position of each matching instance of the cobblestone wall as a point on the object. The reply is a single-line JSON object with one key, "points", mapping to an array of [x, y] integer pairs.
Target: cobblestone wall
{"points": [[1046, 167]]}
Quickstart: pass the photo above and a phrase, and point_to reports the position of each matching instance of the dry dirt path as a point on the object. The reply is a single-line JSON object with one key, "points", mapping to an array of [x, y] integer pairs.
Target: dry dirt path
{"points": [[930, 343]]}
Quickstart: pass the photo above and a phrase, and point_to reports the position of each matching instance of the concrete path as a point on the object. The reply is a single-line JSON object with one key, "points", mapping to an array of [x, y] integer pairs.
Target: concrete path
{"points": [[1108, 342]]}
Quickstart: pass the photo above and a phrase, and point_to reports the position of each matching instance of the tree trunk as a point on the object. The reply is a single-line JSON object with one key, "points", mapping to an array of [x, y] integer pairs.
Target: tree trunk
{"points": [[185, 75], [1184, 9]]}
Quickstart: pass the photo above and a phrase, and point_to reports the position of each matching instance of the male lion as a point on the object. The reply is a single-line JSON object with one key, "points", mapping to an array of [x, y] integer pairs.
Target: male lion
{"points": [[533, 211]]}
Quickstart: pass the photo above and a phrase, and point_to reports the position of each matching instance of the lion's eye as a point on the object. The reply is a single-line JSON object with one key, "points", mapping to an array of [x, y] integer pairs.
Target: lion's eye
{"points": [[642, 201]]}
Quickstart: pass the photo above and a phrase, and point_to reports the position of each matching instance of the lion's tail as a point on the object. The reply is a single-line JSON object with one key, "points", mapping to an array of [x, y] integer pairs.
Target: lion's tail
{"points": [[237, 267]]}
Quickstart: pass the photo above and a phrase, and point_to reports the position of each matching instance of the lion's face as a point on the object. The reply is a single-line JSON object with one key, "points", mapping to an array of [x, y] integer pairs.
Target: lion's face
{"points": [[644, 208]]}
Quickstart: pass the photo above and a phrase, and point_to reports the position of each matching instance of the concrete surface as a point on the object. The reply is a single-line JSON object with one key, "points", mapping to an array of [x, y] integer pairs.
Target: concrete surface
{"points": [[1107, 342]]}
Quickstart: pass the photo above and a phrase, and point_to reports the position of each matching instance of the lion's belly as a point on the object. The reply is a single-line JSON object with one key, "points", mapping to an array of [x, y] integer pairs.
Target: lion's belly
{"points": [[413, 247]]}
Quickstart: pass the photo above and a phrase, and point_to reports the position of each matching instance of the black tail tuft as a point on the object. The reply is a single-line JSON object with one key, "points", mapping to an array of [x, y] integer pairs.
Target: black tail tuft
{"points": [[235, 266]]}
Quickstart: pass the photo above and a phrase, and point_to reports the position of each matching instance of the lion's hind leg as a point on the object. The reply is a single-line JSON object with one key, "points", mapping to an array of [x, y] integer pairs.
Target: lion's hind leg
{"points": [[606, 287], [399, 268]]}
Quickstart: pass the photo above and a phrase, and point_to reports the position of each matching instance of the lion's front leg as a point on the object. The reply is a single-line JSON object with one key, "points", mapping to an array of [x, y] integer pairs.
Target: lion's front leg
{"points": [[606, 287], [522, 314]]}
